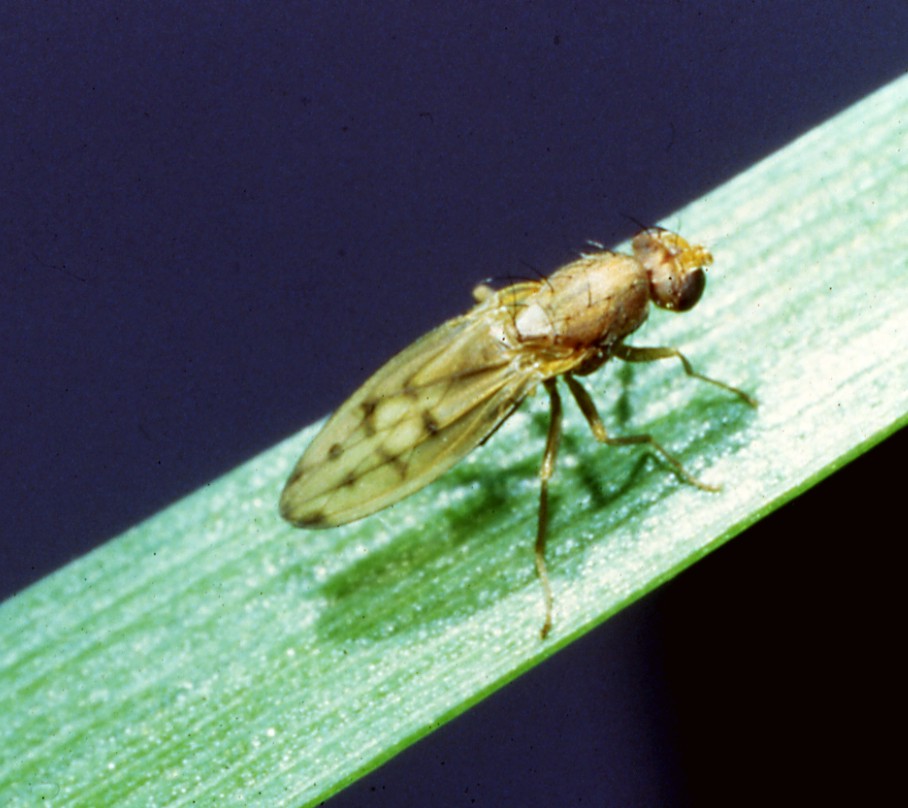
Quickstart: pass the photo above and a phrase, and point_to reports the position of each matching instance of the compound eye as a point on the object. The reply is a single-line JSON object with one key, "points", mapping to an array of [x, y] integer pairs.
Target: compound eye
{"points": [[690, 291]]}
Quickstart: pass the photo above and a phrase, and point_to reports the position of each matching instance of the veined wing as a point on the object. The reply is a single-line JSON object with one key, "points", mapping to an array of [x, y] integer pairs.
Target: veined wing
{"points": [[411, 421]]}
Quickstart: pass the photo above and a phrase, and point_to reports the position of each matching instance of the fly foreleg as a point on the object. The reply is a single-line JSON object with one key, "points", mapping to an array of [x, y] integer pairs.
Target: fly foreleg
{"points": [[630, 354]]}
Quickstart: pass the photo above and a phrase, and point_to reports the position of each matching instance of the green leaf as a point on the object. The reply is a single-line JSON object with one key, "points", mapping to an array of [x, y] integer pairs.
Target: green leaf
{"points": [[214, 655]]}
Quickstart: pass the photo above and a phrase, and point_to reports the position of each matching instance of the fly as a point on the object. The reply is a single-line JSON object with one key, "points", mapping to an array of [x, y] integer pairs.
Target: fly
{"points": [[449, 391]]}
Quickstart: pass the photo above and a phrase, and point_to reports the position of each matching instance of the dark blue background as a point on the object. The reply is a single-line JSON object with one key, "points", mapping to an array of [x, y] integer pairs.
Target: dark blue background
{"points": [[217, 218]]}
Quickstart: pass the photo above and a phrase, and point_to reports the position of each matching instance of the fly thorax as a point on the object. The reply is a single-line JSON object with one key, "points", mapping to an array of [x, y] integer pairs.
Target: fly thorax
{"points": [[598, 301]]}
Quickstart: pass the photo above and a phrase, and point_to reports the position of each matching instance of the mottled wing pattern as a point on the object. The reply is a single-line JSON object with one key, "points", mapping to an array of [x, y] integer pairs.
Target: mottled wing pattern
{"points": [[410, 422]]}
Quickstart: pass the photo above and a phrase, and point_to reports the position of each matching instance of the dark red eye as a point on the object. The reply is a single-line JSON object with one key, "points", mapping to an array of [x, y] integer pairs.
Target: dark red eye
{"points": [[690, 291]]}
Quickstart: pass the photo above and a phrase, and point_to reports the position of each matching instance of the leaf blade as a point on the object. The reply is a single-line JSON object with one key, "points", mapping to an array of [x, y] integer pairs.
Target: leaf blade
{"points": [[212, 652]]}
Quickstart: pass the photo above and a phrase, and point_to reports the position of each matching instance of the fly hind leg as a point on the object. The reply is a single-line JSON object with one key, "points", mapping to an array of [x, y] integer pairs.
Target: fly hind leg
{"points": [[545, 473]]}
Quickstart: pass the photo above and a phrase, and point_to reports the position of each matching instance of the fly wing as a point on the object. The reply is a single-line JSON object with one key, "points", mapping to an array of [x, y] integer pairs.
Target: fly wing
{"points": [[409, 423]]}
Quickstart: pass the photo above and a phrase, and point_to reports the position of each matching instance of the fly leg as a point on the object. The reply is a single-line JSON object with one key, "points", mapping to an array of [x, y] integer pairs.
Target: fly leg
{"points": [[631, 354], [545, 473], [588, 408]]}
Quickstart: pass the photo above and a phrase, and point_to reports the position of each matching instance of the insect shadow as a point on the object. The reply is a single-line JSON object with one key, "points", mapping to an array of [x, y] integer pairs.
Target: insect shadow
{"points": [[623, 411], [394, 588]]}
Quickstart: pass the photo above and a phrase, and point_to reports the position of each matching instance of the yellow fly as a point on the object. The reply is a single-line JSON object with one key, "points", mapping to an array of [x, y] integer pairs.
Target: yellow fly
{"points": [[450, 390]]}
